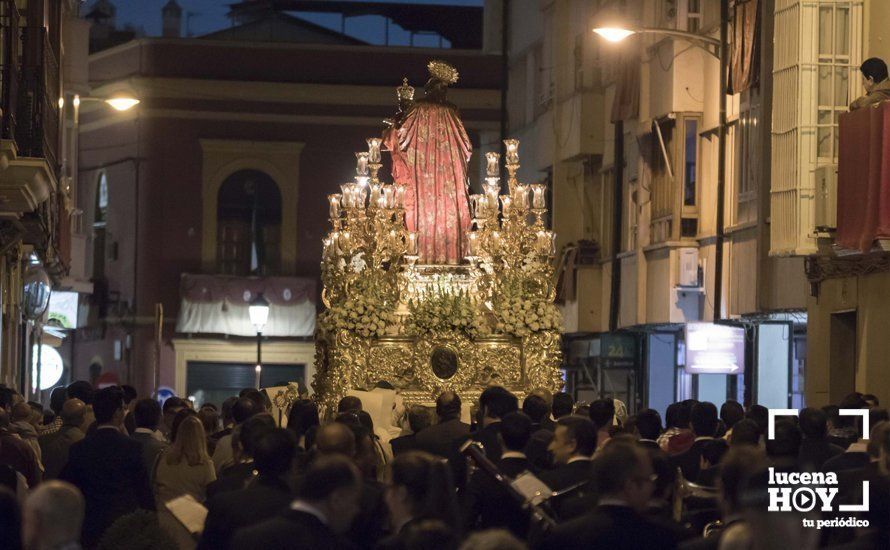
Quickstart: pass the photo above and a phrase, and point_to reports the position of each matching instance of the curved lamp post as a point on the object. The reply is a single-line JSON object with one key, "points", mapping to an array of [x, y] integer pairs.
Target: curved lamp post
{"points": [[259, 316], [614, 32]]}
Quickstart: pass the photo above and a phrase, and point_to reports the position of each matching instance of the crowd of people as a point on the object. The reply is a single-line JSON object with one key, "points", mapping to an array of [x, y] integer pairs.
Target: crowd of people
{"points": [[101, 468]]}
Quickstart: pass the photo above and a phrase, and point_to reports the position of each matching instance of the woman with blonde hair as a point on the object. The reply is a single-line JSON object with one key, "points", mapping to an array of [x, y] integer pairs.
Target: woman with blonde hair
{"points": [[185, 468]]}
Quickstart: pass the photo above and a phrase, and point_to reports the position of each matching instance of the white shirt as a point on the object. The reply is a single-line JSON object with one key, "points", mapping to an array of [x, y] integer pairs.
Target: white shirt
{"points": [[579, 459], [305, 507]]}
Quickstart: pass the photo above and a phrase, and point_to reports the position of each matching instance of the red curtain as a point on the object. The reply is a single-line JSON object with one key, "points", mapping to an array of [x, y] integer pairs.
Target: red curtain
{"points": [[863, 186], [744, 68]]}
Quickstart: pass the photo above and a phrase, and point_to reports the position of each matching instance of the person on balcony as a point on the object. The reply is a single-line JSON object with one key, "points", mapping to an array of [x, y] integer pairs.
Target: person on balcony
{"points": [[876, 83]]}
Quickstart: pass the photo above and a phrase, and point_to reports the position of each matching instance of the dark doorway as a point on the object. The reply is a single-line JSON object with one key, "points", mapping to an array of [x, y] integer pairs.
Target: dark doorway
{"points": [[214, 382], [842, 360]]}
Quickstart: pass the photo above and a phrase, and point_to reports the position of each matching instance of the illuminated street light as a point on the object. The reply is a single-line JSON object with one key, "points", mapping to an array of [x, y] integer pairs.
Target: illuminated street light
{"points": [[614, 34], [122, 103]]}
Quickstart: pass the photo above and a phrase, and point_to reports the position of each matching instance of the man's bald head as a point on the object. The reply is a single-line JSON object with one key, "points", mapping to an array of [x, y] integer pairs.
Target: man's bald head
{"points": [[448, 406], [53, 515], [335, 438], [73, 412]]}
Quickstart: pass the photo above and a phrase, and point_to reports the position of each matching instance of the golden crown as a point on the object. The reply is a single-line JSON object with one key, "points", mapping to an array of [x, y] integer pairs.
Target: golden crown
{"points": [[405, 91], [442, 71]]}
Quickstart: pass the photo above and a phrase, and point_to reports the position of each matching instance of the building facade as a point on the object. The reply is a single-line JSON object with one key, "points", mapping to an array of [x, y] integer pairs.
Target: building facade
{"points": [[626, 134], [214, 189], [43, 46]]}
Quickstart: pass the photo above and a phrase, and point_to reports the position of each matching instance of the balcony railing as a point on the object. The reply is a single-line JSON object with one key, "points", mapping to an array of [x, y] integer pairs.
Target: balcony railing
{"points": [[38, 121], [10, 41]]}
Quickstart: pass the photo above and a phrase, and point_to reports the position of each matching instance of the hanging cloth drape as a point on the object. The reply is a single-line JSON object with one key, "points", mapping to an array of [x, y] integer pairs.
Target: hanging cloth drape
{"points": [[627, 93], [744, 60]]}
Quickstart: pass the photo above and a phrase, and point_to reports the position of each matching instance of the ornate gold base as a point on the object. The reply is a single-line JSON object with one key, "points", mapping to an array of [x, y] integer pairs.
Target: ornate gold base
{"points": [[422, 368]]}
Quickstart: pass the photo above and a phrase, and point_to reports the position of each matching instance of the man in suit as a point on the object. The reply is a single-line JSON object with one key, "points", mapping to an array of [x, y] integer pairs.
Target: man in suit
{"points": [[224, 454], [239, 474], [439, 438], [538, 411], [327, 501], [602, 414], [625, 482], [486, 503], [704, 424], [265, 497], [108, 468], [572, 448], [648, 423], [55, 446], [418, 420], [147, 418], [815, 449], [495, 402]]}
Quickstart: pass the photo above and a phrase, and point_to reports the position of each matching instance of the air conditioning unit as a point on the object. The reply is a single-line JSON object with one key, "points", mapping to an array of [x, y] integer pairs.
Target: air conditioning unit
{"points": [[826, 198], [688, 276]]}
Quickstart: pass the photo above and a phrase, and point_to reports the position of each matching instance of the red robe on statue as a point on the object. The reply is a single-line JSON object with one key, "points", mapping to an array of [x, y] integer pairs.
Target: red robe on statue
{"points": [[430, 152]]}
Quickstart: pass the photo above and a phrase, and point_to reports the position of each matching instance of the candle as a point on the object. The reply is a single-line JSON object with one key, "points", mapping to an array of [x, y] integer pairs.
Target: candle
{"points": [[359, 195], [496, 239], [374, 149], [491, 168], [400, 195], [512, 151], [491, 193], [326, 248], [506, 203], [521, 193], [472, 243], [381, 200], [412, 244], [542, 242], [539, 202], [361, 163], [474, 204], [389, 196], [334, 201]]}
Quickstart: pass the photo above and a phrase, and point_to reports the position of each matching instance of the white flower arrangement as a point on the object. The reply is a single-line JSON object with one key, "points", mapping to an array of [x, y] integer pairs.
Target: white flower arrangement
{"points": [[521, 314], [443, 311], [365, 313]]}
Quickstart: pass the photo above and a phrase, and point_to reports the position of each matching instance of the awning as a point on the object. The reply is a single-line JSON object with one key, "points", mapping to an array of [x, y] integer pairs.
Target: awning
{"points": [[217, 304]]}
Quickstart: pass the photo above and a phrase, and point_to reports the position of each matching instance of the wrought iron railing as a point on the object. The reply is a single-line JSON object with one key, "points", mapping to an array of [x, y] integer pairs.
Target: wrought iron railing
{"points": [[10, 46], [38, 123]]}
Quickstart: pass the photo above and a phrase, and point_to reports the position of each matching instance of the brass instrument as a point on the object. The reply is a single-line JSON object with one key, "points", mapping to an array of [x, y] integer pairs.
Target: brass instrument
{"points": [[684, 489]]}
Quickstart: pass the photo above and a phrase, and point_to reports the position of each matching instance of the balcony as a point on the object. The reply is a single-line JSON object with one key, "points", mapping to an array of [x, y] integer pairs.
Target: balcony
{"points": [[29, 132]]}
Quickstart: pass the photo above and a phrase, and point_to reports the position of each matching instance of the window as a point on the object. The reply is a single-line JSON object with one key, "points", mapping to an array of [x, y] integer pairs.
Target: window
{"points": [[693, 15], [834, 69], [248, 224], [747, 165], [100, 219]]}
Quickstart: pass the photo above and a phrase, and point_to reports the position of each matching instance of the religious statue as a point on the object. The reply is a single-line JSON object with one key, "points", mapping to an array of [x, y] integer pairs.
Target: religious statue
{"points": [[430, 151]]}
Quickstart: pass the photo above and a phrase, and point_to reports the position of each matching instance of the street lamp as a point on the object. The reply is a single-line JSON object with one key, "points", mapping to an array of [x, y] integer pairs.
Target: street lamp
{"points": [[259, 315], [616, 33], [118, 102]]}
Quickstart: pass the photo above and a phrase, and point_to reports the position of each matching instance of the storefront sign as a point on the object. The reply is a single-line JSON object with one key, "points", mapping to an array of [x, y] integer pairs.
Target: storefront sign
{"points": [[714, 349]]}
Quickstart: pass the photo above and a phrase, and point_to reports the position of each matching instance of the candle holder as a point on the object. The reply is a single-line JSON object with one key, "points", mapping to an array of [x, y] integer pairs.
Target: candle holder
{"points": [[361, 163], [492, 160], [374, 150]]}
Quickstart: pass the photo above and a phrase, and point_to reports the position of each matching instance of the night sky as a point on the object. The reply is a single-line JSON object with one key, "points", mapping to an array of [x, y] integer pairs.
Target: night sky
{"points": [[210, 15]]}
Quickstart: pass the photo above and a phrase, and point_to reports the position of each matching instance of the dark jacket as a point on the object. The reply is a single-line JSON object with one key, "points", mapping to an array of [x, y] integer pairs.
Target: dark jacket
{"points": [[108, 469], [229, 511], [815, 452], [575, 481], [689, 461], [610, 528], [289, 530], [486, 504], [536, 449], [439, 438], [54, 449], [233, 478], [403, 444]]}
